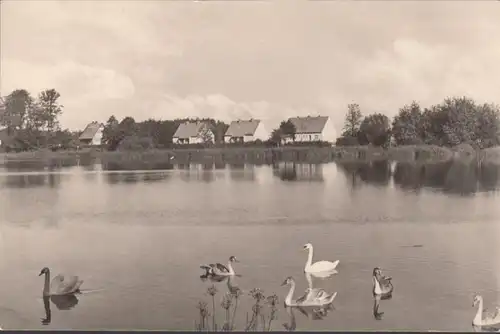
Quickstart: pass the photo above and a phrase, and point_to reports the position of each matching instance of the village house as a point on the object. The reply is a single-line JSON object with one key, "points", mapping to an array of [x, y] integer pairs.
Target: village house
{"points": [[193, 133], [92, 134], [242, 131], [313, 128]]}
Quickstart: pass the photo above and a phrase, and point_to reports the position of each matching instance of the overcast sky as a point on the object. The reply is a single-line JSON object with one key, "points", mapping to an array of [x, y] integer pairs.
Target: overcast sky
{"points": [[228, 59]]}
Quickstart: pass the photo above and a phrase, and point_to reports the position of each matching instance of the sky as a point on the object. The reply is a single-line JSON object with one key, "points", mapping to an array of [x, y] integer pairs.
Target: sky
{"points": [[240, 59]]}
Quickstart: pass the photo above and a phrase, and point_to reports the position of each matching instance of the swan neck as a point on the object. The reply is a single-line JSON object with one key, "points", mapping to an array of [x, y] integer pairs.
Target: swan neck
{"points": [[309, 258], [46, 285], [478, 318], [309, 280], [230, 267], [288, 299]]}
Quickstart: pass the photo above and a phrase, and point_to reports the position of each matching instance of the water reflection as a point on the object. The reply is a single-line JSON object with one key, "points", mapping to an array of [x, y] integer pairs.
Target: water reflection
{"points": [[30, 179], [197, 172], [291, 171], [377, 173], [62, 303], [376, 306], [457, 176], [310, 312], [242, 172], [131, 177]]}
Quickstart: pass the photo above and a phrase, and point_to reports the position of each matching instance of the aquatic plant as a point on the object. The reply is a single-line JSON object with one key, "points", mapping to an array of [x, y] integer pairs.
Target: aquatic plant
{"points": [[229, 305]]}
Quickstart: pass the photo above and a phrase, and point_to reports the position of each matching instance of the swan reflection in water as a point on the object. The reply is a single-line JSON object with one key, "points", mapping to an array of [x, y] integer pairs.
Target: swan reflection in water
{"points": [[62, 302], [376, 305], [311, 312]]}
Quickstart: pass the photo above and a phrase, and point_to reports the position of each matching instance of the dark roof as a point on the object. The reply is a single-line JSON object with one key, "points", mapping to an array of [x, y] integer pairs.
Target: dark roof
{"points": [[309, 124], [90, 131], [241, 128], [188, 129]]}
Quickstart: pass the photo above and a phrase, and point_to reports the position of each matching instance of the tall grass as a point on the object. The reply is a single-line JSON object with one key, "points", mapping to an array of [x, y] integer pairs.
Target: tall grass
{"points": [[257, 321]]}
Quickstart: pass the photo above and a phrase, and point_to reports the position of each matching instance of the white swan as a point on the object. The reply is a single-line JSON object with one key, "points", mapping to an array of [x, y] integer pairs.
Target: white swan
{"points": [[320, 266], [60, 285], [312, 292], [318, 297], [484, 317], [219, 269]]}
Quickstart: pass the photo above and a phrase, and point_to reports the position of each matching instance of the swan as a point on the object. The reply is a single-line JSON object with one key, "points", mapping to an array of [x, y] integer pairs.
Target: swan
{"points": [[319, 297], [60, 285], [484, 317], [320, 266], [312, 292], [382, 285], [219, 269]]}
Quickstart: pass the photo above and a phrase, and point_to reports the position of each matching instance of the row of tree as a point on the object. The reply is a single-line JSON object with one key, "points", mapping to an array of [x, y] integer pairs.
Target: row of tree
{"points": [[455, 121], [34, 122]]}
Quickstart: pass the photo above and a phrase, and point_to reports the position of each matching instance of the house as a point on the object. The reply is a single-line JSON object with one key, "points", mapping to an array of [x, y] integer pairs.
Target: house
{"points": [[242, 131], [196, 132], [92, 135], [313, 128]]}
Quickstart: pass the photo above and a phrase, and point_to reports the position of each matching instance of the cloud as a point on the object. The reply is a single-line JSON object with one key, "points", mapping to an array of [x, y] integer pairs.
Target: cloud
{"points": [[269, 60]]}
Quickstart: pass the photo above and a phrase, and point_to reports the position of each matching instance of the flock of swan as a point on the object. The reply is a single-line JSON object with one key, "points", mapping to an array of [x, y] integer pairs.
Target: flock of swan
{"points": [[62, 285], [382, 287]]}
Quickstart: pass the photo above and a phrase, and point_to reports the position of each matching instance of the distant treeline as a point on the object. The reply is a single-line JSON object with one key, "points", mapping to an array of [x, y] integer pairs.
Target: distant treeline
{"points": [[33, 123], [457, 120]]}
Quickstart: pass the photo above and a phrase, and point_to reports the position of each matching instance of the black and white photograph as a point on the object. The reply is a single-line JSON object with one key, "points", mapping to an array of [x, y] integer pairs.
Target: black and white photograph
{"points": [[250, 165]]}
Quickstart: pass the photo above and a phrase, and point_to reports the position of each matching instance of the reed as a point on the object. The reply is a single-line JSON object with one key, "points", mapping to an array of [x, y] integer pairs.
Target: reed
{"points": [[258, 321]]}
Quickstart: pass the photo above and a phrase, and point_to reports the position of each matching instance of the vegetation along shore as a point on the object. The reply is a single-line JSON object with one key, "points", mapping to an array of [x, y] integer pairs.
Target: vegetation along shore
{"points": [[457, 127]]}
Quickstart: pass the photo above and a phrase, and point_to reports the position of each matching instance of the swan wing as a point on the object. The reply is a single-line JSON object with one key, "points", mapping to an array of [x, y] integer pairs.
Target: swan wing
{"points": [[222, 268], [61, 284], [304, 297], [491, 314], [324, 265]]}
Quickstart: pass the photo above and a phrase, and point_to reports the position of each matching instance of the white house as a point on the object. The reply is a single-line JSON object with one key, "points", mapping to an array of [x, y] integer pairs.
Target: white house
{"points": [[313, 128], [193, 133], [92, 134], [242, 131]]}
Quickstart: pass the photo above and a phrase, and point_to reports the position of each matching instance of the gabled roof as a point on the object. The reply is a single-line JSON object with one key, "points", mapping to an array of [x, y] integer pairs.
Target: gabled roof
{"points": [[90, 131], [188, 129], [241, 128], [309, 124]]}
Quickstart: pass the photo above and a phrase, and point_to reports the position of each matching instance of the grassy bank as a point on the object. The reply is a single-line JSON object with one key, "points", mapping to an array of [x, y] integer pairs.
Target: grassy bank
{"points": [[250, 155]]}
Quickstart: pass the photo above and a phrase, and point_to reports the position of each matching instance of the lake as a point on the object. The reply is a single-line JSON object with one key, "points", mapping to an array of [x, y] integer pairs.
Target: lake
{"points": [[138, 238]]}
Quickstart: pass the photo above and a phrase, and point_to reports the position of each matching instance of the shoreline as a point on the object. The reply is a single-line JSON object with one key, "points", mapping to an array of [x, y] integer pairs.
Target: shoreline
{"points": [[261, 155]]}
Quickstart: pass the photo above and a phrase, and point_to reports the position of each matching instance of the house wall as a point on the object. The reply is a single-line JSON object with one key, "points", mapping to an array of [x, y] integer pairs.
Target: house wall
{"points": [[330, 131], [261, 132], [97, 139]]}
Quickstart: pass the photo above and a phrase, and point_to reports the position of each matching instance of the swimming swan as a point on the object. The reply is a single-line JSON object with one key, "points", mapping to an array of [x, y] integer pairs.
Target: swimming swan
{"points": [[219, 269], [60, 285], [484, 317], [318, 297], [320, 266], [382, 285]]}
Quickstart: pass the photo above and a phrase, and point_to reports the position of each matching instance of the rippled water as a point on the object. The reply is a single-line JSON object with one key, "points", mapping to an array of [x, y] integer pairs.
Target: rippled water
{"points": [[138, 238]]}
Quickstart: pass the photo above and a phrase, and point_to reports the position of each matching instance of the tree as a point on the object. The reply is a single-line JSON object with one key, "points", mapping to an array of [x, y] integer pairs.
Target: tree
{"points": [[288, 129], [110, 130], [17, 106], [406, 126], [206, 135], [49, 109], [375, 129], [352, 121], [276, 136]]}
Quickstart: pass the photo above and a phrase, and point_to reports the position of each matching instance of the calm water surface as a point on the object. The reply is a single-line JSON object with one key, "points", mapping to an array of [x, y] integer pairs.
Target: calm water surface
{"points": [[138, 238]]}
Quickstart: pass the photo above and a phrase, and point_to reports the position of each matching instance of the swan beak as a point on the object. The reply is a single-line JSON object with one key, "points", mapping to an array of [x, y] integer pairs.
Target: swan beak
{"points": [[283, 284], [41, 273]]}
